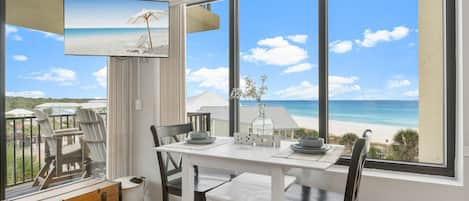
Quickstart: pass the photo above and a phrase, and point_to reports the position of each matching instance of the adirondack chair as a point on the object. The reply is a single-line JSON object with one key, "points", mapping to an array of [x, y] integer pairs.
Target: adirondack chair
{"points": [[57, 154], [94, 139]]}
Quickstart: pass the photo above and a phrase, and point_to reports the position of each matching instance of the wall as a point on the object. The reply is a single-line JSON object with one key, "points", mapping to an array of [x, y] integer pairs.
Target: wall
{"points": [[144, 156], [431, 78]]}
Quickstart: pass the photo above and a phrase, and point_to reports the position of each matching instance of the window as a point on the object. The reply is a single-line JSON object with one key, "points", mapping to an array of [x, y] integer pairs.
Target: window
{"points": [[279, 49], [385, 66], [54, 83], [207, 68], [387, 73], [374, 79]]}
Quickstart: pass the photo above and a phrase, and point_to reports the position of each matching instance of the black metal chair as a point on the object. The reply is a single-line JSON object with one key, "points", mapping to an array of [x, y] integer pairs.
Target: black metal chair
{"points": [[170, 167], [357, 163]]}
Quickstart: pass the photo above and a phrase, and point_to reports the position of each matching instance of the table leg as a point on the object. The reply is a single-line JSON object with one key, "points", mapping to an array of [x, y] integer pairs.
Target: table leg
{"points": [[187, 179], [278, 184]]}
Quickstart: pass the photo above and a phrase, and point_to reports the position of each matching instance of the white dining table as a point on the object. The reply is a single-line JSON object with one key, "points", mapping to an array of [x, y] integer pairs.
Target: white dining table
{"points": [[224, 154]]}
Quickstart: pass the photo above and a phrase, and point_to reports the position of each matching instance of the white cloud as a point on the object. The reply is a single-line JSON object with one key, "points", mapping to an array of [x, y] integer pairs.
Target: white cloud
{"points": [[54, 36], [101, 76], [26, 94], [298, 68], [278, 41], [61, 75], [10, 29], [211, 78], [17, 37], [412, 94], [371, 38], [299, 38], [398, 83], [340, 85], [340, 46], [20, 58], [276, 51], [305, 90]]}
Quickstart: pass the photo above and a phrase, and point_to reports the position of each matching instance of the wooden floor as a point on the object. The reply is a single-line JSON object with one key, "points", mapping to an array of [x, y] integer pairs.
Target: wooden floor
{"points": [[27, 188]]}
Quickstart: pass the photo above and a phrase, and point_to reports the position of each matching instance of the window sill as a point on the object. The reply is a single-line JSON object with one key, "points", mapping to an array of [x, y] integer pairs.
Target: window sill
{"points": [[402, 176]]}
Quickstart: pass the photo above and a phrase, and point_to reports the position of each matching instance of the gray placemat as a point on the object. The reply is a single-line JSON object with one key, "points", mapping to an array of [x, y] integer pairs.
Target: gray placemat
{"points": [[330, 156], [183, 145]]}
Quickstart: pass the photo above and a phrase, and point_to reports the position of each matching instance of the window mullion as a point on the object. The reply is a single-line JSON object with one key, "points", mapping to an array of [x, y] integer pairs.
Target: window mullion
{"points": [[323, 70], [234, 64]]}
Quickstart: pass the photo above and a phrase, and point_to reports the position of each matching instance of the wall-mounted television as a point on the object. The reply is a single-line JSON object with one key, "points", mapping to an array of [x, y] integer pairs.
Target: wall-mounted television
{"points": [[137, 28]]}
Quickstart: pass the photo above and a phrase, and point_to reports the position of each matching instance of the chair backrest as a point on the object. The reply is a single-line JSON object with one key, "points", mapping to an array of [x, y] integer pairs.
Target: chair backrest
{"points": [[47, 132], [357, 163], [94, 133], [166, 135]]}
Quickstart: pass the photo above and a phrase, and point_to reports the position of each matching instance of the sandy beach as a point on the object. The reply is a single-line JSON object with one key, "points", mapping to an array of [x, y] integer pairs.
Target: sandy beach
{"points": [[381, 133]]}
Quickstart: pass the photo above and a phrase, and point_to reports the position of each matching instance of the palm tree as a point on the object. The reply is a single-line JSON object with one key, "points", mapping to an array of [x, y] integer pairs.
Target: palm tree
{"points": [[146, 16], [405, 146], [348, 140]]}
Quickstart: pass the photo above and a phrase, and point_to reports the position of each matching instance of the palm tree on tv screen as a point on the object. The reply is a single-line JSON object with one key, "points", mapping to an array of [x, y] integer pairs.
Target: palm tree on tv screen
{"points": [[146, 16]]}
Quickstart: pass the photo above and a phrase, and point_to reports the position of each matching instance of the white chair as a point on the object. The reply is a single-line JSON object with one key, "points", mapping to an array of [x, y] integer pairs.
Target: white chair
{"points": [[57, 154], [246, 187], [94, 138]]}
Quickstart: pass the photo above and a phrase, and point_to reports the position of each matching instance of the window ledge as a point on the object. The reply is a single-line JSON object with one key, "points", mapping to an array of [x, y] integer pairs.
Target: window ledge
{"points": [[402, 176]]}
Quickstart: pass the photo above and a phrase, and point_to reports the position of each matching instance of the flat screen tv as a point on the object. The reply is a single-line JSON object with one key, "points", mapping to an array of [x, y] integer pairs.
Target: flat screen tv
{"points": [[136, 28]]}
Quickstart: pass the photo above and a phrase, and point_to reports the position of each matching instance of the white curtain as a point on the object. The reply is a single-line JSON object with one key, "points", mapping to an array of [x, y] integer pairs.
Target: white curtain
{"points": [[173, 71], [121, 95]]}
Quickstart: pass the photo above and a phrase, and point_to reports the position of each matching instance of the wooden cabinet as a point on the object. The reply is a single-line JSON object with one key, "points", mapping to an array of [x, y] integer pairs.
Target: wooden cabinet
{"points": [[83, 190]]}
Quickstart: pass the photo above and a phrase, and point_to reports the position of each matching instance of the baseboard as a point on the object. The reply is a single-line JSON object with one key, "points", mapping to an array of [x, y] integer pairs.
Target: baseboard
{"points": [[466, 151]]}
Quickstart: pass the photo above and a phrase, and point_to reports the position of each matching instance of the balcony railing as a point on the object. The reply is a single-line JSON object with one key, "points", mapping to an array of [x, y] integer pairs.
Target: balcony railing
{"points": [[25, 150], [200, 120]]}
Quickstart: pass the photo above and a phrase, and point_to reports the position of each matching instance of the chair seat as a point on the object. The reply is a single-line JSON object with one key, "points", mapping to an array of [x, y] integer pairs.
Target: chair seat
{"points": [[305, 193], [203, 183], [246, 187], [73, 150]]}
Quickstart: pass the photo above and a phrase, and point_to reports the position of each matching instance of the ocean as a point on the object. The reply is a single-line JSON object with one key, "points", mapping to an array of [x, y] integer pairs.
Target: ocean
{"points": [[385, 112]]}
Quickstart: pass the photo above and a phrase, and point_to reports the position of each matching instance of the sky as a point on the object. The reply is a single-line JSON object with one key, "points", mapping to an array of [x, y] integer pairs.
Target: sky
{"points": [[37, 67], [373, 53], [373, 49]]}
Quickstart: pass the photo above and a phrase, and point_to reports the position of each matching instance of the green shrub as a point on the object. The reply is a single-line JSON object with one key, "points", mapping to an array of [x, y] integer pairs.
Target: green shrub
{"points": [[304, 132], [405, 146]]}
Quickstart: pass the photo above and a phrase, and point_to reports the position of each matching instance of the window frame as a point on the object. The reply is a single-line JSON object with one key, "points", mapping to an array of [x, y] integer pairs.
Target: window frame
{"points": [[3, 149], [446, 169]]}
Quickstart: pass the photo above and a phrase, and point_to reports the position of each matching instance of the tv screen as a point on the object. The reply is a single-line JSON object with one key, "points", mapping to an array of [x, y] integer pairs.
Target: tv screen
{"points": [[116, 28]]}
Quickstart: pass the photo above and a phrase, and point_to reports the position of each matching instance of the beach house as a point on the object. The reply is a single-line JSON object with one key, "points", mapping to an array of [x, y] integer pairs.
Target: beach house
{"points": [[234, 100]]}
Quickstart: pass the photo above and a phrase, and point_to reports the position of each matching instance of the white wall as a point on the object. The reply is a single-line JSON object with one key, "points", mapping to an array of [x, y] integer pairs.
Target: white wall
{"points": [[144, 157], [372, 189]]}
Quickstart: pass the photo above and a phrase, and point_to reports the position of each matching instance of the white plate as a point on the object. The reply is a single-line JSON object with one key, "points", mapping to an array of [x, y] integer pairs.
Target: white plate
{"points": [[209, 140], [300, 149]]}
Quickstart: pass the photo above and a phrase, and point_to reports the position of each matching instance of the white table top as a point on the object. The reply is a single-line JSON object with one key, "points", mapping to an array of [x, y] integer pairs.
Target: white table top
{"points": [[225, 148]]}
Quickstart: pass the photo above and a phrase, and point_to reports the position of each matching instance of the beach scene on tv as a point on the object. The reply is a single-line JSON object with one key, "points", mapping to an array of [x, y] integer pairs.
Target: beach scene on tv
{"points": [[116, 28]]}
